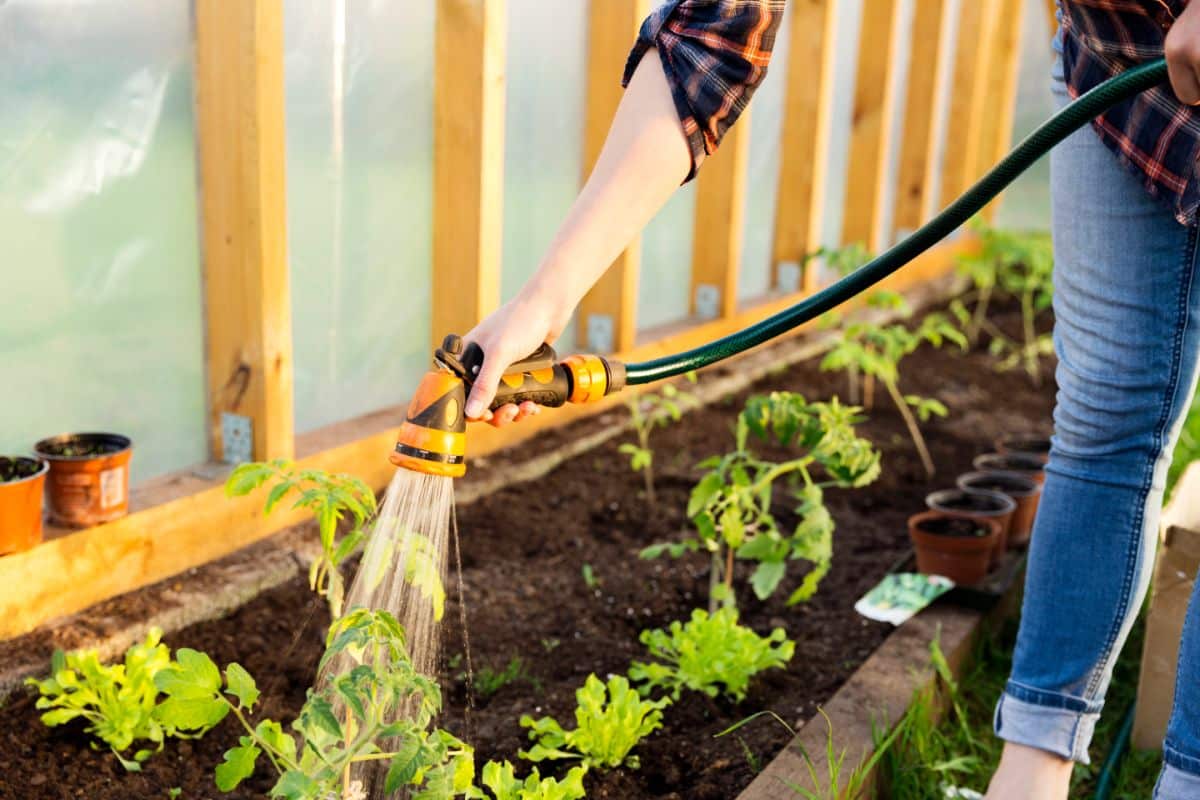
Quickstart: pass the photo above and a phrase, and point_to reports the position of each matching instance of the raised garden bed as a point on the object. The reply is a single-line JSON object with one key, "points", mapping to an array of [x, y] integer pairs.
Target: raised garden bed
{"points": [[524, 549]]}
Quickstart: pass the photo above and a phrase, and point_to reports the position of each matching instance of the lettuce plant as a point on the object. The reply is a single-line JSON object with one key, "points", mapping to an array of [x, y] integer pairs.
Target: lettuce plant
{"points": [[732, 505], [499, 779], [330, 498], [711, 653], [118, 702], [648, 411], [610, 720]]}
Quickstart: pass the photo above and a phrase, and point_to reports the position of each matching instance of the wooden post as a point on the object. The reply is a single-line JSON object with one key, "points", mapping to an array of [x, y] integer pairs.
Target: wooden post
{"points": [[804, 149], [240, 124], [468, 162], [1052, 14], [719, 225], [1003, 74], [923, 114], [608, 313], [871, 127], [969, 101]]}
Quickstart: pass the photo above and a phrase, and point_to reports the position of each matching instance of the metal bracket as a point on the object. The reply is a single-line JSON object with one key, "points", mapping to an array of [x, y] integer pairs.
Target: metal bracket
{"points": [[708, 301], [600, 333], [237, 438], [789, 276]]}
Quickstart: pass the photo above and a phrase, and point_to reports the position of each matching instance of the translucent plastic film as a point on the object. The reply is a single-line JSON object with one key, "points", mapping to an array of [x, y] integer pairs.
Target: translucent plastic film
{"points": [[100, 311]]}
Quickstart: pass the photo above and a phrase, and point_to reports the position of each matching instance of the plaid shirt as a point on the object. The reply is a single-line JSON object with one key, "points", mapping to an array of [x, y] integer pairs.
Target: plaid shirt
{"points": [[715, 54], [1154, 135]]}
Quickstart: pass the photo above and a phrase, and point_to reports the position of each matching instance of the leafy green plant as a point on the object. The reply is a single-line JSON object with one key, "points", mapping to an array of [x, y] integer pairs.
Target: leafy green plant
{"points": [[878, 350], [504, 785], [374, 689], [610, 720], [330, 498], [713, 654], [732, 505], [117, 702], [488, 681], [648, 411]]}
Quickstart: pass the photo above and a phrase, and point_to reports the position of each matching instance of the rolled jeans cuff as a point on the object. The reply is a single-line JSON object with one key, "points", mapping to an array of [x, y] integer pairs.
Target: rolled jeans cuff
{"points": [[1180, 777], [1049, 721]]}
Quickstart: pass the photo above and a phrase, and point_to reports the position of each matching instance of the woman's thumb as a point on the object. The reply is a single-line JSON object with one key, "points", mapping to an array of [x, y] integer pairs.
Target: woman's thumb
{"points": [[484, 388]]}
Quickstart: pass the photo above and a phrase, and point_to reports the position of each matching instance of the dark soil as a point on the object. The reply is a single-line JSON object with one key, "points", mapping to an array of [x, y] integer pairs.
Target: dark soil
{"points": [[953, 526], [82, 445], [18, 468], [1021, 463], [1015, 486], [524, 549], [962, 500]]}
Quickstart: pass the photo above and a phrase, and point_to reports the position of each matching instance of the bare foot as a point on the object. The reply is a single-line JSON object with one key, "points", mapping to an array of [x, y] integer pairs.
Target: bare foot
{"points": [[1026, 773]]}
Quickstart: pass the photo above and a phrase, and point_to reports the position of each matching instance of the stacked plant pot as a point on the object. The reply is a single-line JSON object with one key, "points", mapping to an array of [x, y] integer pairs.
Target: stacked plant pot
{"points": [[967, 530]]}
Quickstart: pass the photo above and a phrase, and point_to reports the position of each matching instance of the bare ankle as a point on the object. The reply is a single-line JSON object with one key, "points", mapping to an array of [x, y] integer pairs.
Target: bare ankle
{"points": [[1027, 773]]}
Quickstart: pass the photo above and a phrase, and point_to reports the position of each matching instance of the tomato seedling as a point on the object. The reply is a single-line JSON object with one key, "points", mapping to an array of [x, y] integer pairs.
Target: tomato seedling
{"points": [[648, 411]]}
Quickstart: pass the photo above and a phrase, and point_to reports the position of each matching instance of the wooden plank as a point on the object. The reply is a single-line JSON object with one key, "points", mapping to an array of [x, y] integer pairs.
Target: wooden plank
{"points": [[612, 303], [720, 220], [871, 126], [1003, 75], [468, 163], [1051, 7], [968, 102], [240, 125], [923, 113], [804, 150]]}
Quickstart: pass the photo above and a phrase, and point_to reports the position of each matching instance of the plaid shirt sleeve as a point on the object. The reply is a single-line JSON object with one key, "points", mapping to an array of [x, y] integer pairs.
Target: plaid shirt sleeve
{"points": [[715, 54]]}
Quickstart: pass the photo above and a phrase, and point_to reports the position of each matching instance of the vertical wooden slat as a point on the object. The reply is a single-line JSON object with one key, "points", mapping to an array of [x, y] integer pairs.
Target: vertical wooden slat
{"points": [[1052, 14], [720, 219], [240, 124], [968, 102], [1003, 74], [871, 125], [468, 169], [804, 150], [922, 120], [612, 29]]}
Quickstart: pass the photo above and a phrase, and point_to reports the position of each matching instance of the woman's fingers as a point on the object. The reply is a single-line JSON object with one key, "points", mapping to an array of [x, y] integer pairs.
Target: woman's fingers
{"points": [[1182, 49]]}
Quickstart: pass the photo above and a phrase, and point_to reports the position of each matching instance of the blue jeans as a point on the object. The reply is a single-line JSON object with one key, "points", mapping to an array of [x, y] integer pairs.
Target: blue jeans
{"points": [[1127, 335]]}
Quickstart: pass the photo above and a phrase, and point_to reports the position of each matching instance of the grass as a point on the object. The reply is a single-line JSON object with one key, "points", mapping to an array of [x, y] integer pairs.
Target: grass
{"points": [[1188, 448]]}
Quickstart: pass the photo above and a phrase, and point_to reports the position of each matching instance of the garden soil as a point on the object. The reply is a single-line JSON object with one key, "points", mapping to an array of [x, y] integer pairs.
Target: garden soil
{"points": [[524, 549]]}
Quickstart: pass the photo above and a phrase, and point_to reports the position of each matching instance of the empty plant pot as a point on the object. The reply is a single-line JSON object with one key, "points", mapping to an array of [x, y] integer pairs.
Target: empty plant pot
{"points": [[22, 483], [1024, 491], [979, 504], [954, 545], [1031, 466], [89, 477], [1035, 446]]}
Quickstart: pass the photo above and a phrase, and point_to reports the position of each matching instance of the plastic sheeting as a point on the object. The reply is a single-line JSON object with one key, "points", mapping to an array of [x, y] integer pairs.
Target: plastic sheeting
{"points": [[100, 316]]}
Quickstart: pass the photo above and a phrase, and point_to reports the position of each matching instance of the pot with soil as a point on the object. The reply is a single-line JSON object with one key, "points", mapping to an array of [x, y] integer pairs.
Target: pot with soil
{"points": [[954, 545], [1023, 490], [89, 477], [978, 504], [22, 483], [1035, 446], [1026, 464]]}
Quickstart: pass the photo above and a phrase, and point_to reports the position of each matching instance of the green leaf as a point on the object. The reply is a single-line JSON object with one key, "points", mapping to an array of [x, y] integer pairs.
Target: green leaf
{"points": [[703, 492], [193, 675], [238, 764], [271, 734], [295, 785], [241, 685], [403, 767], [766, 578]]}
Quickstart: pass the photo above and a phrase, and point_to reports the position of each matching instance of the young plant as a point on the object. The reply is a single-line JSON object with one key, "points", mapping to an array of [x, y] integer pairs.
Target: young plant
{"points": [[610, 720], [489, 681], [731, 506], [118, 702], [330, 498], [878, 350], [504, 785], [843, 261], [712, 654], [648, 411], [373, 696]]}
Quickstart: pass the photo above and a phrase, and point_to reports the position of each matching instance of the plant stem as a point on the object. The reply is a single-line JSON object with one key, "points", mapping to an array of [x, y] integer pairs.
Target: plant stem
{"points": [[981, 308], [852, 390], [728, 574], [714, 580], [1031, 364], [868, 391], [911, 423]]}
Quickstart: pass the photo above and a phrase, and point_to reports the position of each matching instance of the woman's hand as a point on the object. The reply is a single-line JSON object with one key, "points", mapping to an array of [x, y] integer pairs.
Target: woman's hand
{"points": [[1183, 55]]}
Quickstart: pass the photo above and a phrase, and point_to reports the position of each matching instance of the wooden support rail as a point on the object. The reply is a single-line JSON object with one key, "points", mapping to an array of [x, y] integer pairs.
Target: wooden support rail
{"points": [[468, 163], [240, 128], [1003, 74], [719, 225]]}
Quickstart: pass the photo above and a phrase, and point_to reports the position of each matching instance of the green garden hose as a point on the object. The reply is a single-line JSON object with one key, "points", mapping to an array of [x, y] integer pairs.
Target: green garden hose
{"points": [[1074, 116]]}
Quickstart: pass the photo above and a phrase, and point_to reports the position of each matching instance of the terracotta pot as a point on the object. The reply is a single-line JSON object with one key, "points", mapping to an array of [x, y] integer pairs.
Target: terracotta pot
{"points": [[953, 545], [22, 483], [1025, 445], [1024, 491], [89, 477], [978, 504], [1031, 466]]}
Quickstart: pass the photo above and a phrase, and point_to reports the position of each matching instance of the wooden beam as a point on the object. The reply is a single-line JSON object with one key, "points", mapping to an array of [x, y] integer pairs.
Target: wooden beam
{"points": [[719, 222], [70, 573], [240, 125], [968, 103], [1002, 82], [923, 113], [611, 305], [871, 126], [1051, 14], [468, 163], [804, 150]]}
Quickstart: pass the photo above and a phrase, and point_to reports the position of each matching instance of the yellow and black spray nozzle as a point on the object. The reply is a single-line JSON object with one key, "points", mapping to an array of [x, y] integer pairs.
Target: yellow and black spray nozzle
{"points": [[433, 438]]}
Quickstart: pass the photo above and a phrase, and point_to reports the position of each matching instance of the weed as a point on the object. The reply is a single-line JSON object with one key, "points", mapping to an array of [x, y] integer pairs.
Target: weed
{"points": [[489, 681]]}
